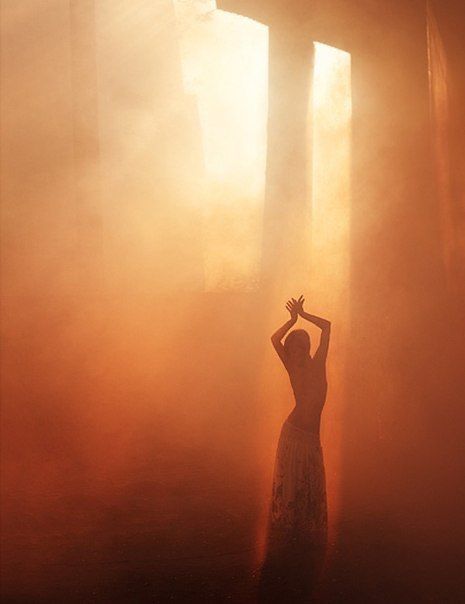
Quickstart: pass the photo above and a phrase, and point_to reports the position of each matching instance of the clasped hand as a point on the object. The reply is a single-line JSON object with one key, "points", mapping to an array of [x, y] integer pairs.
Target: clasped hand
{"points": [[295, 307]]}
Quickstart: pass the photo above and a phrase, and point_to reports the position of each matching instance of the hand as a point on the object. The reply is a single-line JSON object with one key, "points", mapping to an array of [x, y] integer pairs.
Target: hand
{"points": [[293, 308], [299, 304]]}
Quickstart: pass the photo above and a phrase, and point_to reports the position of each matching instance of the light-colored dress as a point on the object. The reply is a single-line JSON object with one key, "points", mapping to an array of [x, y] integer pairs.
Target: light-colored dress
{"points": [[298, 510]]}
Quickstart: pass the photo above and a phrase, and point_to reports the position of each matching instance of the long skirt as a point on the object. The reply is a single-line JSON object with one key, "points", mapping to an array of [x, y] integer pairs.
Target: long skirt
{"points": [[298, 514], [297, 529]]}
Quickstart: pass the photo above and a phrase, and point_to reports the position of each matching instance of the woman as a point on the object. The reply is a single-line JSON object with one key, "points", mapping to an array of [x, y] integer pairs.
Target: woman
{"points": [[298, 512]]}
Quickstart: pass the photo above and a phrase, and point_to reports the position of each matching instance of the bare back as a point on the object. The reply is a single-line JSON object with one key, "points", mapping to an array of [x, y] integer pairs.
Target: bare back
{"points": [[309, 384]]}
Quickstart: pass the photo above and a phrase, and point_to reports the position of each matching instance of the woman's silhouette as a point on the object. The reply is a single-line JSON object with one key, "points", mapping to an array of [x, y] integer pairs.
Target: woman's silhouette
{"points": [[298, 517]]}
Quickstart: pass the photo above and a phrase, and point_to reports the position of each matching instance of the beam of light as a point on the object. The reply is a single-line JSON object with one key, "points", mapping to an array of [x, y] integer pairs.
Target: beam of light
{"points": [[331, 163], [225, 67], [331, 114]]}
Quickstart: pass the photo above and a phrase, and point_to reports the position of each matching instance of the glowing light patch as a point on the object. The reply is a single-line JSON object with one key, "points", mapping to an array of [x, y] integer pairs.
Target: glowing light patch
{"points": [[331, 111], [225, 65]]}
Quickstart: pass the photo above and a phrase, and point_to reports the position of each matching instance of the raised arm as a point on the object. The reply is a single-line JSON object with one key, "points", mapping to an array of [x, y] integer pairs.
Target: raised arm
{"points": [[282, 331], [323, 324]]}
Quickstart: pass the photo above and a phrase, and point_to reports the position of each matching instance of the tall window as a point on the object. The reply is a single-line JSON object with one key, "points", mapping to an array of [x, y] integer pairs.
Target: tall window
{"points": [[225, 66]]}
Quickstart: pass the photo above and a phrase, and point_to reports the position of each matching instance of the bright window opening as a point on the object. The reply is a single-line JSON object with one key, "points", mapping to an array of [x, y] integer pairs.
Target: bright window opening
{"points": [[331, 114], [225, 66]]}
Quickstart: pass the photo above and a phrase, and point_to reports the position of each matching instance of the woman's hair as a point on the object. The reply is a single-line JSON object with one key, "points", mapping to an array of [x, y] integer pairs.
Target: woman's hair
{"points": [[297, 338]]}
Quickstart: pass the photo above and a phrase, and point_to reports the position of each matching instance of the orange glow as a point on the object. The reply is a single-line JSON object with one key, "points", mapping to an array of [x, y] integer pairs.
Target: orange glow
{"points": [[166, 184]]}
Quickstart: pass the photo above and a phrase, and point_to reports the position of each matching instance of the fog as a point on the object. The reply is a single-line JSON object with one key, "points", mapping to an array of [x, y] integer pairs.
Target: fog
{"points": [[171, 174]]}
